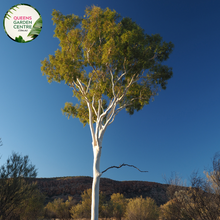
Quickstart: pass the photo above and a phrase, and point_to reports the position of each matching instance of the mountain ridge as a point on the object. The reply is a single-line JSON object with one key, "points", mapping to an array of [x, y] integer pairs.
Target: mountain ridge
{"points": [[62, 187]]}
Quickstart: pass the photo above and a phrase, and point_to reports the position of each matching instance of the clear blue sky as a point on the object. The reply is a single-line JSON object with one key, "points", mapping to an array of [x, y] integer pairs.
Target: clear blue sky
{"points": [[179, 131]]}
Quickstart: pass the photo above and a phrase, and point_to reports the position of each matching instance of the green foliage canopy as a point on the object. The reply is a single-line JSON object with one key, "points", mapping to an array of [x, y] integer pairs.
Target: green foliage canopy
{"points": [[106, 58]]}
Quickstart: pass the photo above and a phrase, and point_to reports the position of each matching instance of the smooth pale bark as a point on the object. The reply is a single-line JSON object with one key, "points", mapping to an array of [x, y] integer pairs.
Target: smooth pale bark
{"points": [[96, 181], [97, 137]]}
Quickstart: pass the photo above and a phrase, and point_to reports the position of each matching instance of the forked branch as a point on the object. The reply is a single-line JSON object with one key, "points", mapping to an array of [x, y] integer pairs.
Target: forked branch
{"points": [[122, 165]]}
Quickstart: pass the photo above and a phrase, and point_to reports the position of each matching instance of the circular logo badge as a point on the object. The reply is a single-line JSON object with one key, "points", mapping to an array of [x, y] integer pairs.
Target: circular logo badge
{"points": [[22, 23]]}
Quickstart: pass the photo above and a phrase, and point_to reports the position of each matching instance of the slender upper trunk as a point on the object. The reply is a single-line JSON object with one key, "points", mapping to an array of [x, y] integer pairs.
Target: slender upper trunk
{"points": [[96, 179]]}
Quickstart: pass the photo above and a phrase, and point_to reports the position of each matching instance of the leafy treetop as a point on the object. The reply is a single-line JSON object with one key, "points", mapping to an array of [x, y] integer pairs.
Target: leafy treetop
{"points": [[108, 61]]}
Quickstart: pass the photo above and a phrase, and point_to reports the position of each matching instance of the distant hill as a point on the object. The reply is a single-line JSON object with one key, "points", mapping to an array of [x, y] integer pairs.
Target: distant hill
{"points": [[63, 187]]}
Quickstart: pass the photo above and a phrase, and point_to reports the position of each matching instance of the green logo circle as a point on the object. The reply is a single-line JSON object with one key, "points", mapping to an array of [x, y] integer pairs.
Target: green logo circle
{"points": [[22, 23]]}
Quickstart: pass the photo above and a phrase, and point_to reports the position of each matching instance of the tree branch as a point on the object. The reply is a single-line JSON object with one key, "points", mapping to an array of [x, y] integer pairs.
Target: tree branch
{"points": [[93, 104], [110, 115], [113, 85], [127, 87], [112, 106], [90, 79], [99, 107], [74, 85], [99, 119], [115, 113], [91, 123], [81, 87], [120, 77], [112, 102], [121, 165], [155, 55]]}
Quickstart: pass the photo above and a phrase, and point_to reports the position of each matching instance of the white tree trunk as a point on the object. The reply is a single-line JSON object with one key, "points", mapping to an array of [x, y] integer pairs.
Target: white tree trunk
{"points": [[96, 180]]}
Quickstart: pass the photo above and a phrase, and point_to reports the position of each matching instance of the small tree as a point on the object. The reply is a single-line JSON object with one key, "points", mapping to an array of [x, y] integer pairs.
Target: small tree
{"points": [[111, 65], [142, 209], [15, 187]]}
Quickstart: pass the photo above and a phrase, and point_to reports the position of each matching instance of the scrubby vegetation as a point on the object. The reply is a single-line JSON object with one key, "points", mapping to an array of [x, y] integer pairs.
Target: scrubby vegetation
{"points": [[20, 198], [117, 207], [200, 201]]}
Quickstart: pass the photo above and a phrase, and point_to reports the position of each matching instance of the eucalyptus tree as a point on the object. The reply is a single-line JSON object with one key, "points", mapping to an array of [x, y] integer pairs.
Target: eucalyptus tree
{"points": [[111, 65]]}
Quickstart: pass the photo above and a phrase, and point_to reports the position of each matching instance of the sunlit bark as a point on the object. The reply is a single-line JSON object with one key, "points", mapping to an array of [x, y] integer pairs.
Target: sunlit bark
{"points": [[95, 183]]}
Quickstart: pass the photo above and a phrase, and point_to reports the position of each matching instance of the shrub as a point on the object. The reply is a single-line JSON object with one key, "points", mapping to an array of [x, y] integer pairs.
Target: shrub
{"points": [[83, 209], [142, 209]]}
